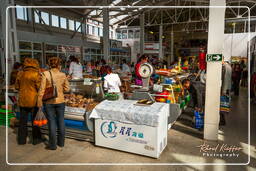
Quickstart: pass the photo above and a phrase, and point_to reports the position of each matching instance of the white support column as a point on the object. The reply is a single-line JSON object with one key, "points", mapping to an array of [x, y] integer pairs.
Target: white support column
{"points": [[106, 34], [213, 77], [161, 41], [142, 33]]}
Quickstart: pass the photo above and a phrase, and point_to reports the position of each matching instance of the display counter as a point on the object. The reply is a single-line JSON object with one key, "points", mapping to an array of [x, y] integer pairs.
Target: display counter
{"points": [[124, 125], [84, 95]]}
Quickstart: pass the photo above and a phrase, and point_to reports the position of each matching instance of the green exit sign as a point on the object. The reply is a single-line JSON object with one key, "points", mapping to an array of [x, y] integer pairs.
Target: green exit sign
{"points": [[213, 57]]}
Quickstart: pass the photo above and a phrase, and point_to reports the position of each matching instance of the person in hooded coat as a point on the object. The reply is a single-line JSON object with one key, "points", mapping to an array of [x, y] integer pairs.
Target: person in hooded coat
{"points": [[28, 84]]}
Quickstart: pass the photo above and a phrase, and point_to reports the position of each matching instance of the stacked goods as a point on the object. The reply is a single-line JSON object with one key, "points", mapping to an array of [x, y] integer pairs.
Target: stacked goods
{"points": [[79, 101], [91, 106], [3, 116]]}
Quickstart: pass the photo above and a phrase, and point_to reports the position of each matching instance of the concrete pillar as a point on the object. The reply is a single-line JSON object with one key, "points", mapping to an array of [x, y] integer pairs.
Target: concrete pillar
{"points": [[161, 42], [142, 33], [106, 34], [213, 76]]}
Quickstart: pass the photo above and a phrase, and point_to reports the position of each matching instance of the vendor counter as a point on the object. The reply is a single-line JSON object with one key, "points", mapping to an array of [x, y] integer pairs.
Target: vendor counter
{"points": [[124, 125]]}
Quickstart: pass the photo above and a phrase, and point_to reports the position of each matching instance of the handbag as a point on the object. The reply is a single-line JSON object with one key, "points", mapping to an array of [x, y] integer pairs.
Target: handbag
{"points": [[50, 92]]}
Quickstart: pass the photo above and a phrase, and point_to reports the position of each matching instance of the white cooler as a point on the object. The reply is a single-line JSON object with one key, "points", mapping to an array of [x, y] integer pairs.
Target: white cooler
{"points": [[131, 135]]}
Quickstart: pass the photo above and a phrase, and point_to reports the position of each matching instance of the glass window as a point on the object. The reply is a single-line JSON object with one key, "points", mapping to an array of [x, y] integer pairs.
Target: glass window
{"points": [[87, 29], [36, 16], [55, 21], [90, 29], [137, 34], [37, 46], [101, 32], [25, 45], [118, 35], [87, 50], [78, 27], [51, 47], [130, 34], [124, 34], [71, 25], [21, 12], [111, 34], [93, 30], [93, 51], [63, 22], [96, 31], [38, 56], [45, 17], [24, 55]]}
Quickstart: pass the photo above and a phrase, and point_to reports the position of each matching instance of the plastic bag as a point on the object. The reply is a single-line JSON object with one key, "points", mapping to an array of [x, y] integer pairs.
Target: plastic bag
{"points": [[225, 104], [199, 119], [40, 118]]}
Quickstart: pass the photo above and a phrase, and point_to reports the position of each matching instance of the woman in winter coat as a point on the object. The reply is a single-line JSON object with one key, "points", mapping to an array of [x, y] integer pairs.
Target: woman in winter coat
{"points": [[28, 83]]}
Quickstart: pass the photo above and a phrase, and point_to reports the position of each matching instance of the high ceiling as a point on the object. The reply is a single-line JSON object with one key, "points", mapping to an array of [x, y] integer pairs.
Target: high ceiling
{"points": [[129, 16]]}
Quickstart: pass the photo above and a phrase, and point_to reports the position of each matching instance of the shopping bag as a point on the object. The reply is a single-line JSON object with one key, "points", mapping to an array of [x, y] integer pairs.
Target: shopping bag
{"points": [[40, 118], [224, 104]]}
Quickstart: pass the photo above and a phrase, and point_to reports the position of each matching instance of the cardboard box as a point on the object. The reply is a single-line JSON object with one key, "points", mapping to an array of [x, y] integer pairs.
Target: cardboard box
{"points": [[139, 139]]}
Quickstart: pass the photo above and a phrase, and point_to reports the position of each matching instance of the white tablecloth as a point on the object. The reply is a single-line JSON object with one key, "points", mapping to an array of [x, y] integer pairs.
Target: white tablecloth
{"points": [[125, 111]]}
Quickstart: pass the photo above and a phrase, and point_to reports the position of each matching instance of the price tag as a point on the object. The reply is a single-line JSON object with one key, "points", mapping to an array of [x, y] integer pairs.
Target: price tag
{"points": [[87, 81]]}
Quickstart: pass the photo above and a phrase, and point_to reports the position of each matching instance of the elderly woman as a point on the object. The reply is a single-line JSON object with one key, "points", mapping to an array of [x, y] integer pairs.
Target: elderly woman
{"points": [[54, 107]]}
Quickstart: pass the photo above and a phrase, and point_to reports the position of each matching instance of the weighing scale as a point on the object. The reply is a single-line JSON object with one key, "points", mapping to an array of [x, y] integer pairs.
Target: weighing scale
{"points": [[145, 71]]}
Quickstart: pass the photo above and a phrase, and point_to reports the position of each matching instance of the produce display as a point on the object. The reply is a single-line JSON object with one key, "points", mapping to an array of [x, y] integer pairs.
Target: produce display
{"points": [[79, 101], [174, 94], [111, 96]]}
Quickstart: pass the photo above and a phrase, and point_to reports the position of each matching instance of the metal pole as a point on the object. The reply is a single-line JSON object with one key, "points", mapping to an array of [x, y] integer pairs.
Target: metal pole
{"points": [[142, 30], [106, 34]]}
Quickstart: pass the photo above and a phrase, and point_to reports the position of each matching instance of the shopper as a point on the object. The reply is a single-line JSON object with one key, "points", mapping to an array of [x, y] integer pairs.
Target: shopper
{"points": [[55, 107], [16, 68], [138, 79], [194, 90], [226, 78], [28, 83], [112, 82], [236, 77], [75, 68], [125, 67]]}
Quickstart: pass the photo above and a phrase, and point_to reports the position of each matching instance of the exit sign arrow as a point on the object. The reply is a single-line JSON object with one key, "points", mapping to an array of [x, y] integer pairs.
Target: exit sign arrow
{"points": [[214, 57]]}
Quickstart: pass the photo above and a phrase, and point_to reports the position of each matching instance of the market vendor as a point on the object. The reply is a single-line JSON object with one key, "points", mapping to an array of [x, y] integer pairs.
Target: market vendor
{"points": [[189, 89], [75, 68], [143, 59], [112, 82]]}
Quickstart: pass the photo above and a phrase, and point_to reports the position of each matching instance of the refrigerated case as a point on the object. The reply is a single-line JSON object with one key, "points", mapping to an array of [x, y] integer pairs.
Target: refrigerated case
{"points": [[77, 122]]}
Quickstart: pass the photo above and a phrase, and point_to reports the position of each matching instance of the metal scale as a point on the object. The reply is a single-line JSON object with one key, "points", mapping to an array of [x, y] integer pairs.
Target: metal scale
{"points": [[145, 70]]}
